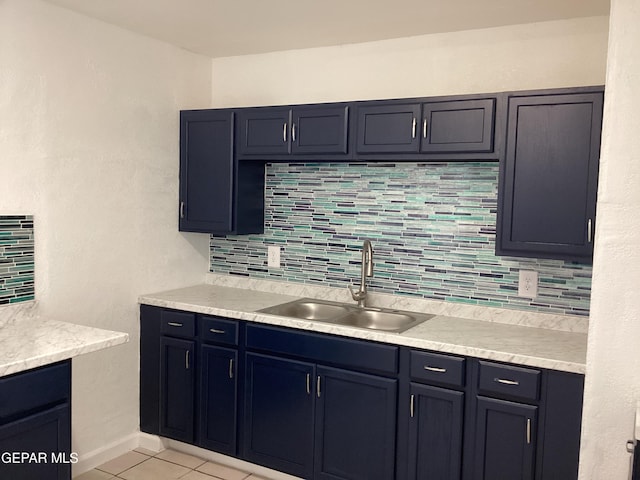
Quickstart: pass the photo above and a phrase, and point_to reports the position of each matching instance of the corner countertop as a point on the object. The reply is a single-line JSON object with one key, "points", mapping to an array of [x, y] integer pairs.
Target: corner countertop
{"points": [[28, 340], [514, 343]]}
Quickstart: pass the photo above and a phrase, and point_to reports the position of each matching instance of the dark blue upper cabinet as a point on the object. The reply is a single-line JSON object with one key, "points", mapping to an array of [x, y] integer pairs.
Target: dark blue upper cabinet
{"points": [[549, 178], [465, 126], [264, 131], [388, 129], [281, 131], [217, 195], [319, 130]]}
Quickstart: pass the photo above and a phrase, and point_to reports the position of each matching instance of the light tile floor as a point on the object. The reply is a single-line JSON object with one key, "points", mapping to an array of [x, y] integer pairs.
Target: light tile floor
{"points": [[141, 464]]}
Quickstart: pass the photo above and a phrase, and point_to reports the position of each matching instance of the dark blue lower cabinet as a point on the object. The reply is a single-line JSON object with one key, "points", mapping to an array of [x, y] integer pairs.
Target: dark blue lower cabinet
{"points": [[177, 385], [435, 433], [279, 414], [355, 426], [505, 440], [218, 399], [46, 437]]}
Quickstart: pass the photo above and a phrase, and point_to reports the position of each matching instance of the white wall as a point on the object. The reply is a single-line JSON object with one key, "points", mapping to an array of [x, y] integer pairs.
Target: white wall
{"points": [[538, 55], [613, 356], [89, 145]]}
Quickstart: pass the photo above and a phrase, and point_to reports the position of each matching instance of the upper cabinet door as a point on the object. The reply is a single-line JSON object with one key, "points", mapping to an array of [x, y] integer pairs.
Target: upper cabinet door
{"points": [[206, 171], [388, 129], [319, 130], [549, 177], [464, 126], [264, 131]]}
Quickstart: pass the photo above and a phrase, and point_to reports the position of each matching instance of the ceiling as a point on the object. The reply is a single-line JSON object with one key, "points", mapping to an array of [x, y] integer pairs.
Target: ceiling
{"points": [[219, 28]]}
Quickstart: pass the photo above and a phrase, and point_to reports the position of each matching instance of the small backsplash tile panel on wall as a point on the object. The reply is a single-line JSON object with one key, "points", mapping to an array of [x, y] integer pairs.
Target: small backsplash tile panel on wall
{"points": [[432, 227], [16, 259]]}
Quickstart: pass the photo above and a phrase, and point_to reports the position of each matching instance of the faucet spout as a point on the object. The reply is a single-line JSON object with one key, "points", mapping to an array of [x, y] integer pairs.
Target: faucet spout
{"points": [[366, 270]]}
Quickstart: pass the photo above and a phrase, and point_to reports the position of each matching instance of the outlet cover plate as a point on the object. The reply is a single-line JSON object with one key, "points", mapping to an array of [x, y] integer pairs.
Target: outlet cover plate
{"points": [[273, 256], [528, 284]]}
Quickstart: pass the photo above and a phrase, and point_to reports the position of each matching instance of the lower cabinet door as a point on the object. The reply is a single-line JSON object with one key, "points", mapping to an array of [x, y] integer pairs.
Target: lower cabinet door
{"points": [[218, 401], [279, 414], [177, 382], [435, 433], [46, 437], [505, 440], [355, 426]]}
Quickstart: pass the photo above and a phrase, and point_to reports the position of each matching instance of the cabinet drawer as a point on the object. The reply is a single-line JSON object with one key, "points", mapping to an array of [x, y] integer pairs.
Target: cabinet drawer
{"points": [[178, 324], [509, 380], [34, 389], [432, 367], [218, 330], [325, 349]]}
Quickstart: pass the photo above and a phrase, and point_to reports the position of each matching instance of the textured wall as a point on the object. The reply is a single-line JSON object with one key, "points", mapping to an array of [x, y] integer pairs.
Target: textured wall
{"points": [[432, 228], [89, 145], [16, 258], [563, 53], [613, 360]]}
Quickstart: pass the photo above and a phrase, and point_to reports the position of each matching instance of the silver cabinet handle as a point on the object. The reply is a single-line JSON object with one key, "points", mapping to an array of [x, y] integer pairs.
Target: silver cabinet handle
{"points": [[174, 324], [435, 369], [506, 382], [589, 233], [528, 431], [231, 368], [215, 330], [413, 127], [186, 359], [284, 132], [181, 209], [293, 132], [411, 402], [424, 128], [308, 384], [318, 386]]}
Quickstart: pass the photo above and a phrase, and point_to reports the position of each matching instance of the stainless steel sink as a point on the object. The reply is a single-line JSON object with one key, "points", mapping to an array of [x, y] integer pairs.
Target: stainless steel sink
{"points": [[344, 314]]}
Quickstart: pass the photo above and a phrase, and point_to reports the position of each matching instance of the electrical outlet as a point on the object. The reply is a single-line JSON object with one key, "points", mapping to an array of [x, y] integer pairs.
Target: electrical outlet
{"points": [[273, 256], [528, 284]]}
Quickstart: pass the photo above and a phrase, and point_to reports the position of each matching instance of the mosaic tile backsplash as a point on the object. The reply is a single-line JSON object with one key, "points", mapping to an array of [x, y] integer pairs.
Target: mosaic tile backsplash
{"points": [[16, 259], [432, 227]]}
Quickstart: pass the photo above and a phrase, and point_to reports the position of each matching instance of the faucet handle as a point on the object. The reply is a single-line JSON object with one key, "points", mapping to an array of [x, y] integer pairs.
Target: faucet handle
{"points": [[357, 296]]}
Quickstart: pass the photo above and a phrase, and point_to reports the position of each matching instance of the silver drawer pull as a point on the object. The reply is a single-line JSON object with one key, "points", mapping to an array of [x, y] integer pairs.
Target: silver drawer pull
{"points": [[186, 359], [284, 132], [435, 369], [411, 404], [231, 368], [215, 330], [174, 324], [308, 383], [506, 382], [413, 128]]}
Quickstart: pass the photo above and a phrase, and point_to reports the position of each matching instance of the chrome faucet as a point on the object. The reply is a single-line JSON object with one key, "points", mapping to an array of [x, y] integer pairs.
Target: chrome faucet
{"points": [[366, 270]]}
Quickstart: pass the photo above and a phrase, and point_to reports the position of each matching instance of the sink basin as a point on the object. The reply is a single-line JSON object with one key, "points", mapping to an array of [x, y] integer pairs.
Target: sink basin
{"points": [[308, 310], [378, 320], [344, 314]]}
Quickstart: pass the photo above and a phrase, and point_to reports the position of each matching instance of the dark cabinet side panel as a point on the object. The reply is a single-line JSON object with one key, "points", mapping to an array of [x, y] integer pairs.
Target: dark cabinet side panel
{"points": [[150, 322]]}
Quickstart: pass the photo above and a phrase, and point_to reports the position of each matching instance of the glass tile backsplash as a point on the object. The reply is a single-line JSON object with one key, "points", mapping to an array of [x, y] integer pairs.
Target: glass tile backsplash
{"points": [[432, 227], [16, 259]]}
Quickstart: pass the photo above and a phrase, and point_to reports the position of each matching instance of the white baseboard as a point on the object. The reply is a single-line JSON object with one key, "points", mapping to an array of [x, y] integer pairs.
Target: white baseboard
{"points": [[91, 460], [154, 443]]}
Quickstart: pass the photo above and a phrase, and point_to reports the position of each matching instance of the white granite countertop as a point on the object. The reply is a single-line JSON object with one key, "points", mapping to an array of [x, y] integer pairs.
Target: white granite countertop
{"points": [[554, 349], [28, 340]]}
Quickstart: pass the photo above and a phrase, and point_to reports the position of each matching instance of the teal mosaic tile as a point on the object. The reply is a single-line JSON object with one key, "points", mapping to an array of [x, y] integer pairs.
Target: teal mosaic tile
{"points": [[432, 227], [16, 259]]}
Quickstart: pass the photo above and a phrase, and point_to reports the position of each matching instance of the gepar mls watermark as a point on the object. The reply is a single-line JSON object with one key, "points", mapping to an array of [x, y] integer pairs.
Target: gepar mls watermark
{"points": [[17, 458]]}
